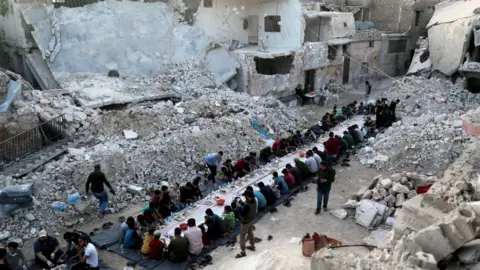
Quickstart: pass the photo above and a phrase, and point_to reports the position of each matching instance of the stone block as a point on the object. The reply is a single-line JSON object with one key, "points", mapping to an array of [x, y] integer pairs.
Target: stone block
{"points": [[339, 213], [135, 190], [423, 260], [433, 241], [130, 134]]}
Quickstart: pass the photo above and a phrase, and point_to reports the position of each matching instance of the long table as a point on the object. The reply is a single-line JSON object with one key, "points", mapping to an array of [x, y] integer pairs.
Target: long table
{"points": [[262, 174]]}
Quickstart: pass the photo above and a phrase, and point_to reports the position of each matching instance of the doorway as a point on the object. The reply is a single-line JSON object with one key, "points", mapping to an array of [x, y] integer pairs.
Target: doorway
{"points": [[310, 79], [253, 29], [346, 69]]}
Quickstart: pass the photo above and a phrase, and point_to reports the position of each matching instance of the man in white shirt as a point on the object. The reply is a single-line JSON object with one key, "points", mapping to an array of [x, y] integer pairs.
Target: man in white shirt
{"points": [[317, 158], [311, 163], [194, 237], [90, 257]]}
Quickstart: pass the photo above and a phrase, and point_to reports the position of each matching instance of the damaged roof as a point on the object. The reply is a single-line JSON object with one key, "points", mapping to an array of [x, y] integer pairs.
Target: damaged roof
{"points": [[447, 12], [449, 32]]}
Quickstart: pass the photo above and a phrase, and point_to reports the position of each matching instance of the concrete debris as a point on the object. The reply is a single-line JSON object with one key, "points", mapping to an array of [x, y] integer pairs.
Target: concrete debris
{"points": [[130, 134], [437, 107], [390, 191], [470, 253], [377, 238], [172, 140], [339, 213]]}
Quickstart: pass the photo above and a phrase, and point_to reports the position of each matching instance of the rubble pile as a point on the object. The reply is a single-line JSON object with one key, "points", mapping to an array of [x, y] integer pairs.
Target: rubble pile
{"points": [[473, 116], [426, 144], [394, 190], [49, 104], [418, 250], [419, 95], [147, 144]]}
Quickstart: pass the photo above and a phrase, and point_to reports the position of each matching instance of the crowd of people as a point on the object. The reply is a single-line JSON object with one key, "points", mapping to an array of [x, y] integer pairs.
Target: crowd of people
{"points": [[139, 232]]}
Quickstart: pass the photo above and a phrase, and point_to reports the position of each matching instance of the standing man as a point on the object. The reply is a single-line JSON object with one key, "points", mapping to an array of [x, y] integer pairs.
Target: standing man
{"points": [[47, 250], [332, 146], [213, 162], [368, 91], [96, 179], [393, 107], [247, 217], [89, 260], [326, 176]]}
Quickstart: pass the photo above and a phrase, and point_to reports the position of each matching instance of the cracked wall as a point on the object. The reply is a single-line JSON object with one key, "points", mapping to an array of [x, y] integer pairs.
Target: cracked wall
{"points": [[146, 37], [364, 52]]}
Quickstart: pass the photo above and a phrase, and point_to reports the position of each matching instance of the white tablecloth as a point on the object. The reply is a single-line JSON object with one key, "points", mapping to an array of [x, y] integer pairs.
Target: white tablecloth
{"points": [[262, 174]]}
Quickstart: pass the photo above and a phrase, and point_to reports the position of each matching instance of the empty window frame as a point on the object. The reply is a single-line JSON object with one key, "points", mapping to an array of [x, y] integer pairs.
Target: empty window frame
{"points": [[208, 3], [397, 46], [272, 24]]}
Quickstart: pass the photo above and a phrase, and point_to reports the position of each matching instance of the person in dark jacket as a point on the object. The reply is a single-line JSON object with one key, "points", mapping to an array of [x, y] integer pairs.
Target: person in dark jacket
{"points": [[95, 183], [303, 168], [187, 193], [216, 227], [326, 176], [267, 193], [349, 139], [248, 214], [297, 174]]}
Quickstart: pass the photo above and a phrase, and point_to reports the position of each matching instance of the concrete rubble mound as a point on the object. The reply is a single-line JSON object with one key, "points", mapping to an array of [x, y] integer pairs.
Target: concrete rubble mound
{"points": [[394, 190], [170, 143], [439, 226], [419, 95]]}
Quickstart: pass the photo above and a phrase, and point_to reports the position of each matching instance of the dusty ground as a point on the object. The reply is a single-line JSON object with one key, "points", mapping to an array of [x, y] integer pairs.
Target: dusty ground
{"points": [[294, 222], [288, 223]]}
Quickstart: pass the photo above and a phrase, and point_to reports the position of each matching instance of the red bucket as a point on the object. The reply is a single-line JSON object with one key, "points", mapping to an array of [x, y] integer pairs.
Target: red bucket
{"points": [[424, 189]]}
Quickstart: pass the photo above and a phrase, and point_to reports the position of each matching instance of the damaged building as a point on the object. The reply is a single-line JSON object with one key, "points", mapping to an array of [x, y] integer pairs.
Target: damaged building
{"points": [[454, 41], [280, 44]]}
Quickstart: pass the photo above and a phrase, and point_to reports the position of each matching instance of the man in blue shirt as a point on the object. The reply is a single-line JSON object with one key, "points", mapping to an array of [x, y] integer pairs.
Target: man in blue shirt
{"points": [[213, 162], [280, 182], [262, 202]]}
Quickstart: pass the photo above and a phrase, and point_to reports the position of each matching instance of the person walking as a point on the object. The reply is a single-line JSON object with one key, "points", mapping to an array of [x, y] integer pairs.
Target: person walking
{"points": [[95, 183], [247, 217], [213, 162], [326, 176], [368, 91]]}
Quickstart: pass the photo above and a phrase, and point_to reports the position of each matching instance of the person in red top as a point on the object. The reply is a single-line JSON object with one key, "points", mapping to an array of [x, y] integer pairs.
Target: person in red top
{"points": [[206, 242], [332, 146], [242, 167], [156, 248], [288, 177], [276, 145]]}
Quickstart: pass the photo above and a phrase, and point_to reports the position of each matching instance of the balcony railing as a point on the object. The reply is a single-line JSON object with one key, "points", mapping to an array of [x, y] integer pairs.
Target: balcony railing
{"points": [[31, 140]]}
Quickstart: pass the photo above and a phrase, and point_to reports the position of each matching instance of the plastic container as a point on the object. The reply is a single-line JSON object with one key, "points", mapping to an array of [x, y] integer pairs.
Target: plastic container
{"points": [[59, 206], [73, 198]]}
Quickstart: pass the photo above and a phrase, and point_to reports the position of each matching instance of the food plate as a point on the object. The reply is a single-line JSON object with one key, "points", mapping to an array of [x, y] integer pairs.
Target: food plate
{"points": [[223, 191], [186, 214], [178, 218]]}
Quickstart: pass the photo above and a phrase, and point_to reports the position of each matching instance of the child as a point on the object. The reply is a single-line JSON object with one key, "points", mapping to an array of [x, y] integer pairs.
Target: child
{"points": [[157, 247], [14, 255], [146, 242], [175, 197], [229, 218], [206, 242], [132, 240]]}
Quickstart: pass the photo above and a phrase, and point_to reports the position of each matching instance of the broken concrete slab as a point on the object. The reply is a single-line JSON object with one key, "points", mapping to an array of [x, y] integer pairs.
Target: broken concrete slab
{"points": [[130, 134], [339, 213], [376, 238], [469, 253], [136, 190]]}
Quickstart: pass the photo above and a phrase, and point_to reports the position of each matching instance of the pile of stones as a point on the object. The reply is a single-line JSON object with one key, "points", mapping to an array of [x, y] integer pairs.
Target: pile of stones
{"points": [[394, 190], [426, 144], [170, 143]]}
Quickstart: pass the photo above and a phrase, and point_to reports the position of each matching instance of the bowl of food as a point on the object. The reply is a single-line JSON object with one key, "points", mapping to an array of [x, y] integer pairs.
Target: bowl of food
{"points": [[220, 201], [183, 226], [301, 154]]}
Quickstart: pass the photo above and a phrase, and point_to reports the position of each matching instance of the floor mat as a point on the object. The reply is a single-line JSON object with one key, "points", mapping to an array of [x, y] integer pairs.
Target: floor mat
{"points": [[106, 238], [129, 254]]}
